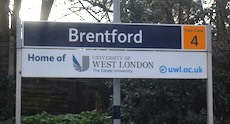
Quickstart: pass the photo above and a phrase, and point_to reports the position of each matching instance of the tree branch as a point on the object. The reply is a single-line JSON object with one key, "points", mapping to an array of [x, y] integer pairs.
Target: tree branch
{"points": [[88, 11], [45, 9]]}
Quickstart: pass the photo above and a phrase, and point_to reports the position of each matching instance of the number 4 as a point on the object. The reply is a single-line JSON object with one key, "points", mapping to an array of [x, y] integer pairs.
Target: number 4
{"points": [[194, 40]]}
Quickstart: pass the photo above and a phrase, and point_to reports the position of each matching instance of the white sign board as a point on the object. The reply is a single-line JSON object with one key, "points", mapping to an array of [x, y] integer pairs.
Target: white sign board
{"points": [[113, 64]]}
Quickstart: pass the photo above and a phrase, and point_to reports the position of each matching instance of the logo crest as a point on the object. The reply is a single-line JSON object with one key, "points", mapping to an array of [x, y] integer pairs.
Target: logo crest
{"points": [[83, 66]]}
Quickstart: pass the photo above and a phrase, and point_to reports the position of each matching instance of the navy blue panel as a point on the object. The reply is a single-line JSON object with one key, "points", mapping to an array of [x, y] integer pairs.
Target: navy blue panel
{"points": [[116, 112], [56, 34]]}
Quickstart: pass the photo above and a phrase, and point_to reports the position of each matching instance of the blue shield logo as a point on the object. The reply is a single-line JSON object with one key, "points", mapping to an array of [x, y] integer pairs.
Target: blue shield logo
{"points": [[83, 66]]}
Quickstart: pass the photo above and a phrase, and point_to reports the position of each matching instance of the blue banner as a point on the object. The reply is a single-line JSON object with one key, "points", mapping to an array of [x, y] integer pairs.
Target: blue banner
{"points": [[101, 35]]}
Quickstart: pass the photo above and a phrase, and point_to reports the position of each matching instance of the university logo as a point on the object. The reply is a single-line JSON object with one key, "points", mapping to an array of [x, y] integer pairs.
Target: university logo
{"points": [[83, 66]]}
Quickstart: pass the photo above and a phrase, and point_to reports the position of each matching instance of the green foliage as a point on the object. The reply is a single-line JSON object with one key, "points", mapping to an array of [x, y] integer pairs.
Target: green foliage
{"points": [[194, 118], [82, 118], [10, 121], [7, 89], [163, 101]]}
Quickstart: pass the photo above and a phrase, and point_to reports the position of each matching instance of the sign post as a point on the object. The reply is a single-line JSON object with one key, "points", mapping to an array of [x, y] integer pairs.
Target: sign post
{"points": [[209, 84], [18, 75], [116, 81]]}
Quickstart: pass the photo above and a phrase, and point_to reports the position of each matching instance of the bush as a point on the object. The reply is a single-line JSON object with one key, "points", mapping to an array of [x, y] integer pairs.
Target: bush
{"points": [[7, 97], [82, 118]]}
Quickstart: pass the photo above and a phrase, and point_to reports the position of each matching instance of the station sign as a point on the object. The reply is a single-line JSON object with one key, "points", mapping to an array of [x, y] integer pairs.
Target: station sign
{"points": [[102, 35], [100, 50], [64, 50]]}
